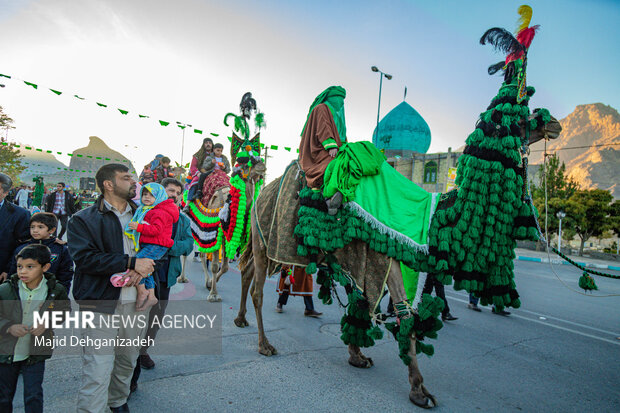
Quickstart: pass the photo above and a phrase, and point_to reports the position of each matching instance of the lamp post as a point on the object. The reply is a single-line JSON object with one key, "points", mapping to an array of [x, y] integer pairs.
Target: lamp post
{"points": [[388, 77], [560, 215]]}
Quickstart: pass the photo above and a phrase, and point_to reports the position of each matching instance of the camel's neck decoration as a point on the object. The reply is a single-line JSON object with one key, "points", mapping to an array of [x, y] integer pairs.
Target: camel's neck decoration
{"points": [[474, 231]]}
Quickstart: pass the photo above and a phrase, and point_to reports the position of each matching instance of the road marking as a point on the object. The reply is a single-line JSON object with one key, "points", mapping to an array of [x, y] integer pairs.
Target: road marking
{"points": [[551, 325], [545, 316]]}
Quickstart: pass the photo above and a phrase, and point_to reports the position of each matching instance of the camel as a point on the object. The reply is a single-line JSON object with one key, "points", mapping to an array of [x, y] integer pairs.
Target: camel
{"points": [[220, 262], [375, 269]]}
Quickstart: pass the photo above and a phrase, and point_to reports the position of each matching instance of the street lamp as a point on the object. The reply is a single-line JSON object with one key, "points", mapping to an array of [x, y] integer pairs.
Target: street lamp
{"points": [[560, 215], [388, 77]]}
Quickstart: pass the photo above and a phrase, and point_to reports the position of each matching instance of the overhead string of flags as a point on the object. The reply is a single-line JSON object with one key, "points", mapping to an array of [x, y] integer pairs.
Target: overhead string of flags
{"points": [[124, 112]]}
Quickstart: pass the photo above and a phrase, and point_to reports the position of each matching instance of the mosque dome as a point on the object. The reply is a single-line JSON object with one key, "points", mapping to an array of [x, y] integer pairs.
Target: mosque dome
{"points": [[403, 130]]}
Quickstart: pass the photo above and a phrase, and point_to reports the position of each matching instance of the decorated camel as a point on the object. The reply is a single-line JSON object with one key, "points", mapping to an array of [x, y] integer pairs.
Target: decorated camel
{"points": [[220, 218], [381, 237]]}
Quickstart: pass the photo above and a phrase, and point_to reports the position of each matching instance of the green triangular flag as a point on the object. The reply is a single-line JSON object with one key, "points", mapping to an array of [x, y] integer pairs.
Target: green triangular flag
{"points": [[143, 116], [297, 150], [103, 105], [274, 147], [78, 97], [58, 92], [287, 149], [198, 131], [124, 112], [31, 84], [229, 138], [7, 76], [216, 134], [262, 145], [181, 126], [164, 123]]}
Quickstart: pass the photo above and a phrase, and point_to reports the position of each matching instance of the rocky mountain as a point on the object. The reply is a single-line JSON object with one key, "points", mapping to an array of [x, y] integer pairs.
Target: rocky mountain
{"points": [[84, 162], [589, 145], [96, 154]]}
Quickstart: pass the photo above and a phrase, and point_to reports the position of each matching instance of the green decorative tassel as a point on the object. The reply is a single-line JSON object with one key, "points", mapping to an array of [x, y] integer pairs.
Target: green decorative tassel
{"points": [[587, 282]]}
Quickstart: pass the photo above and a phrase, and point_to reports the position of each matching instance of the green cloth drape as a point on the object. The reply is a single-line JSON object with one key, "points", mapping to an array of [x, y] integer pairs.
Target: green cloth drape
{"points": [[354, 160]]}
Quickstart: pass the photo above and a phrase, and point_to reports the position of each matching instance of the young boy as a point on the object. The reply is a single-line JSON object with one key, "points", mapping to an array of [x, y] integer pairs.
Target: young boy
{"points": [[31, 289], [221, 161], [163, 171], [42, 229], [147, 175]]}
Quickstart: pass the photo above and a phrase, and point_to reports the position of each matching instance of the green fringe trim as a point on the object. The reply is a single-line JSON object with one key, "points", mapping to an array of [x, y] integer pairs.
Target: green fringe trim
{"points": [[317, 231]]}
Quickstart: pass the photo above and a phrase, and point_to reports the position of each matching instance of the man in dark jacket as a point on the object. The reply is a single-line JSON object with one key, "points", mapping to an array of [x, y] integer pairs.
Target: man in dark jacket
{"points": [[100, 249], [14, 226], [62, 204]]}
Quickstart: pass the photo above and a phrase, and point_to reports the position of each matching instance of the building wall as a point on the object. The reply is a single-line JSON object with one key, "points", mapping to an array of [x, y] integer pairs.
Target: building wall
{"points": [[413, 168]]}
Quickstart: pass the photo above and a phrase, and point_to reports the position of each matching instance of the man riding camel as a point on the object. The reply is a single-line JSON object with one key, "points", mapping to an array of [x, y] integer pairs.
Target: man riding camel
{"points": [[323, 134]]}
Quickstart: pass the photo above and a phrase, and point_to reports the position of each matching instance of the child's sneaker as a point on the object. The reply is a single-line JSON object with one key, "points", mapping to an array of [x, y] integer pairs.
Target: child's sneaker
{"points": [[117, 279]]}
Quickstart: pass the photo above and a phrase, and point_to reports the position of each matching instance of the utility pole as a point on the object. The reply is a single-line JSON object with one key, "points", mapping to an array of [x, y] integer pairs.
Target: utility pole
{"points": [[266, 156]]}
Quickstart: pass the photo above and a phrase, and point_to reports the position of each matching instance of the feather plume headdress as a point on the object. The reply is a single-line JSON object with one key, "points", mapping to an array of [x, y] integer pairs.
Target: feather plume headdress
{"points": [[515, 46]]}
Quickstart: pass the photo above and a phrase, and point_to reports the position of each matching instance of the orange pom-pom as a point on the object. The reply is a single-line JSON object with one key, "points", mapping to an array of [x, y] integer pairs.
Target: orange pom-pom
{"points": [[248, 148]]}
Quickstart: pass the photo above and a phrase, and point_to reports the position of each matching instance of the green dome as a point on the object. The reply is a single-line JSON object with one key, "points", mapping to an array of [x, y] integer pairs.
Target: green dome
{"points": [[403, 129]]}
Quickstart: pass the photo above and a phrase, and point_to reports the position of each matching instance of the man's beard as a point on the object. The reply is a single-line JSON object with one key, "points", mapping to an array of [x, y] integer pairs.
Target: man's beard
{"points": [[127, 195]]}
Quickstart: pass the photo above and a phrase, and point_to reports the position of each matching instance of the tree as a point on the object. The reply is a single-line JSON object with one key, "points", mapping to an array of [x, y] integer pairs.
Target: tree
{"points": [[587, 212], [10, 163], [560, 187]]}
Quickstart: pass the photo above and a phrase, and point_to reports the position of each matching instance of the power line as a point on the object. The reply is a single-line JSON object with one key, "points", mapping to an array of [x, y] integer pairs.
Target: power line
{"points": [[578, 147]]}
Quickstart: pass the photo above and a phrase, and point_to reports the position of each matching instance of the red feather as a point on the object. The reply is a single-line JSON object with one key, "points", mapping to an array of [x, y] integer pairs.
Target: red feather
{"points": [[526, 36]]}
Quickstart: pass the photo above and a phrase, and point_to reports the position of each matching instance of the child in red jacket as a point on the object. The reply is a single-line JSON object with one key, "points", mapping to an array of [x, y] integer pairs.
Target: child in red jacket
{"points": [[151, 230]]}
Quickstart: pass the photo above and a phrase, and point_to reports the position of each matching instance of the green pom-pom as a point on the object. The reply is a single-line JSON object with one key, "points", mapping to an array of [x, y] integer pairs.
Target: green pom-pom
{"points": [[311, 268], [587, 282]]}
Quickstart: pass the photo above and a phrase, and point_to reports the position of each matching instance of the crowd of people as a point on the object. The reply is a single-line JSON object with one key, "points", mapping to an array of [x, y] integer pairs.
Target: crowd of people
{"points": [[116, 254], [122, 253]]}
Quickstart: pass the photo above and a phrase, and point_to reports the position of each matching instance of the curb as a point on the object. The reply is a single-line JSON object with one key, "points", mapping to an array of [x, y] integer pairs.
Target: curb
{"points": [[561, 261]]}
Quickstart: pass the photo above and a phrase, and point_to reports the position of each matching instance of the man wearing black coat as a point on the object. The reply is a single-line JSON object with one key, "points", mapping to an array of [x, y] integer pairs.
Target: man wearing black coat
{"points": [[14, 226], [62, 204], [100, 249]]}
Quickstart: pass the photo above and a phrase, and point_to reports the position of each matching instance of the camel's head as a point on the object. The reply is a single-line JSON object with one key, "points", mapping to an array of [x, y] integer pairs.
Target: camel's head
{"points": [[547, 127]]}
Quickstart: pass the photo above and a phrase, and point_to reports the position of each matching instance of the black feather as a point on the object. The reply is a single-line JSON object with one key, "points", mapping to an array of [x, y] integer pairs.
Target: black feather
{"points": [[501, 40], [496, 67]]}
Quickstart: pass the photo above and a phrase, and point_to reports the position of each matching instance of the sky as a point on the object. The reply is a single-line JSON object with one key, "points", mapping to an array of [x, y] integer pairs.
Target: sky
{"points": [[192, 60]]}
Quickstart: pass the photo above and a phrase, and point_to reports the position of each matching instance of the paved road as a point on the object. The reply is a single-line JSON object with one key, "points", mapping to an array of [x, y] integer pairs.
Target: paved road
{"points": [[559, 352]]}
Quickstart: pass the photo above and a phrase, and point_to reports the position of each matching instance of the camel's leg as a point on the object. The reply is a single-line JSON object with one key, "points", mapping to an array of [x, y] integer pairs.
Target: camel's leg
{"points": [[215, 264], [246, 280], [357, 359], [182, 278], [418, 394], [203, 262], [213, 295], [260, 274], [224, 268]]}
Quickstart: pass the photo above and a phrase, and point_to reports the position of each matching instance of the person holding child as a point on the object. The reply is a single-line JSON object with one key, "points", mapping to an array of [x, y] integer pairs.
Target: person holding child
{"points": [[42, 228], [195, 169], [216, 161], [100, 248], [151, 232], [34, 288]]}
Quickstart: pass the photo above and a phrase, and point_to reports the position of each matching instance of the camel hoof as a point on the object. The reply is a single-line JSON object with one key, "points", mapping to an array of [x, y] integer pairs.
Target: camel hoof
{"points": [[425, 400], [267, 350], [361, 362], [241, 322], [214, 298], [182, 280]]}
